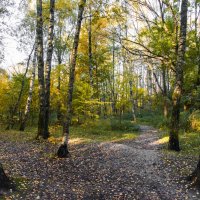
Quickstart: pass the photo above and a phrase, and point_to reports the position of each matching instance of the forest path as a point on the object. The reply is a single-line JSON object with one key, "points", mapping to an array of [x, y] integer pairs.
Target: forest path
{"points": [[134, 169]]}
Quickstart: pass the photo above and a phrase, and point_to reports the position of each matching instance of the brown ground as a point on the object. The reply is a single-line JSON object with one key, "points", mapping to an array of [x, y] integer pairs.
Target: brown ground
{"points": [[130, 170]]}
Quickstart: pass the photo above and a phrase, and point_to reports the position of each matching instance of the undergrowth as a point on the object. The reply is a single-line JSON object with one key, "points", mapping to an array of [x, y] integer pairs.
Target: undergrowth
{"points": [[92, 131], [189, 135]]}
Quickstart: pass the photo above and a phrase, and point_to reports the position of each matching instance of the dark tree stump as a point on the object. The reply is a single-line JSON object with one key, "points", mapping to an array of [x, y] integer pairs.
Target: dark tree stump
{"points": [[63, 151], [4, 180], [195, 176]]}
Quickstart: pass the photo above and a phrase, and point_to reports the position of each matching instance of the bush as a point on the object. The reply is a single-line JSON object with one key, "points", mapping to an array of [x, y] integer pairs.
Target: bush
{"points": [[153, 119], [111, 125], [194, 120], [123, 126], [184, 120]]}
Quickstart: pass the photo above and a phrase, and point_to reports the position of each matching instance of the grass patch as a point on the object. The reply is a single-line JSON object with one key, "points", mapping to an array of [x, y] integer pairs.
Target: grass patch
{"points": [[93, 131], [18, 136], [152, 119], [189, 139], [189, 142], [99, 131]]}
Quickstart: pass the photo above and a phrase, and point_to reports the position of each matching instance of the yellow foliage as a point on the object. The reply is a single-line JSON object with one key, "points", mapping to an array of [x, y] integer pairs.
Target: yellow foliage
{"points": [[195, 120]]}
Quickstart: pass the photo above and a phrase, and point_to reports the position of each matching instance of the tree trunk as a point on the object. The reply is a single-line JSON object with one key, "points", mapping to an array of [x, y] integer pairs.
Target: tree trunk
{"points": [[4, 180], [30, 94], [40, 60], [176, 97], [48, 67], [90, 48], [114, 110], [63, 149], [59, 113], [59, 50], [195, 176], [165, 93], [132, 101], [11, 122], [165, 107], [197, 38]]}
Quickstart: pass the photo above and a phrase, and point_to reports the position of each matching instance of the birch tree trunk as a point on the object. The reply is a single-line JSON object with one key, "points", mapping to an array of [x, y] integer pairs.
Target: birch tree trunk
{"points": [[197, 38], [30, 94], [114, 110], [59, 113], [48, 67], [90, 48], [132, 101], [176, 97], [11, 122], [63, 149], [40, 60]]}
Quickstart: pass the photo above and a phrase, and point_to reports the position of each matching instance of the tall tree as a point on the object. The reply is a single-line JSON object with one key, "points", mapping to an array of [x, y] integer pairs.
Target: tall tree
{"points": [[90, 47], [176, 97], [63, 149], [30, 94], [4, 180], [11, 121], [48, 66], [40, 60]]}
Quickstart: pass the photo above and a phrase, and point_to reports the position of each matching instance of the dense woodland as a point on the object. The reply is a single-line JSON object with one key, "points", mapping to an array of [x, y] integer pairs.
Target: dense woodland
{"points": [[123, 62]]}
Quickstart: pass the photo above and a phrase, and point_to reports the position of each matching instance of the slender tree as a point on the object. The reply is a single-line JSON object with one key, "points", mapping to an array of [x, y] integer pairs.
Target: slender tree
{"points": [[40, 60], [90, 47], [30, 94], [63, 149], [11, 122], [176, 97], [132, 100], [48, 66]]}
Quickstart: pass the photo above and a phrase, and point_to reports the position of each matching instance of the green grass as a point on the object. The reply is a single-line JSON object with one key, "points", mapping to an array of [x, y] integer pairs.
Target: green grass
{"points": [[152, 119], [93, 131], [17, 136], [189, 142], [101, 130]]}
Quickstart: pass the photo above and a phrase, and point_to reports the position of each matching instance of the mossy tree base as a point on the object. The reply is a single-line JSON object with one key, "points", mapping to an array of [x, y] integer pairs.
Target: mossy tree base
{"points": [[174, 141], [63, 151]]}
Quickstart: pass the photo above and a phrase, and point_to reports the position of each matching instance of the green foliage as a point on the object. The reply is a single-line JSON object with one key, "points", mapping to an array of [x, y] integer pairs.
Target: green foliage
{"points": [[184, 120], [92, 131], [124, 125], [154, 119], [189, 141], [194, 119], [190, 121], [105, 130], [9, 93]]}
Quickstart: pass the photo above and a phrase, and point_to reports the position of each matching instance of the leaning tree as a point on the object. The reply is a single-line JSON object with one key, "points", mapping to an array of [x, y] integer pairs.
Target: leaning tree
{"points": [[63, 149]]}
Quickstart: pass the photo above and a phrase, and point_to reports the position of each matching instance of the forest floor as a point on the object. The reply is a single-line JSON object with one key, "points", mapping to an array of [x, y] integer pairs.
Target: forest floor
{"points": [[133, 169]]}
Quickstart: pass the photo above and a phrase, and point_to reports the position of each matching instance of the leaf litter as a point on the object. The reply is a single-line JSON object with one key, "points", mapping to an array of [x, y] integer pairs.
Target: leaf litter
{"points": [[133, 169]]}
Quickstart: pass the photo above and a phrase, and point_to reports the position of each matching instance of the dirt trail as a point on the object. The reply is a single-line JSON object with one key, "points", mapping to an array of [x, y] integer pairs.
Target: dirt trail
{"points": [[142, 160], [129, 170]]}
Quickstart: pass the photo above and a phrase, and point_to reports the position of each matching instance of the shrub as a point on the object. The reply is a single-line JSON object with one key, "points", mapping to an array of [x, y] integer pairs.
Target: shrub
{"points": [[124, 125], [184, 120], [194, 120]]}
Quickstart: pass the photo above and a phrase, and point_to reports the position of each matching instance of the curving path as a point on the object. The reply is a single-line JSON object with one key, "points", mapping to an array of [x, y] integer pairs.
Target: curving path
{"points": [[134, 169]]}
